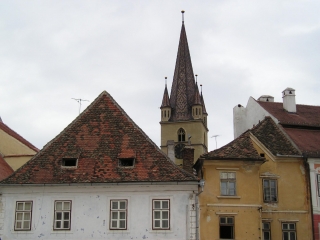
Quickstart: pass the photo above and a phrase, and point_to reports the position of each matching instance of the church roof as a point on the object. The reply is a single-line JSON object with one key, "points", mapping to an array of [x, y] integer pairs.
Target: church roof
{"points": [[183, 85], [101, 139], [204, 110], [197, 98], [165, 99]]}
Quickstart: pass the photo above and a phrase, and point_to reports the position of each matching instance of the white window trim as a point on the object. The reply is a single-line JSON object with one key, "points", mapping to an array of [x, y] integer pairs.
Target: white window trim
{"points": [[161, 210], [15, 215], [118, 210], [172, 217], [54, 216]]}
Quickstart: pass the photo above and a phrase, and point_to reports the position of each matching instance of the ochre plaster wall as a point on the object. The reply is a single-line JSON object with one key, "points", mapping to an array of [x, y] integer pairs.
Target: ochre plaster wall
{"points": [[13, 151], [248, 207]]}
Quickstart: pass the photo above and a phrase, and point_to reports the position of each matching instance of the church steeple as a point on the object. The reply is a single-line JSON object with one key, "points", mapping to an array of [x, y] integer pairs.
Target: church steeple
{"points": [[183, 114], [183, 85]]}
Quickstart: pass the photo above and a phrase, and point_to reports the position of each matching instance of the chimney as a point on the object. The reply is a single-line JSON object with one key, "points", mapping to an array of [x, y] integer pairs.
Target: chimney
{"points": [[188, 156], [170, 149], [289, 100], [266, 98]]}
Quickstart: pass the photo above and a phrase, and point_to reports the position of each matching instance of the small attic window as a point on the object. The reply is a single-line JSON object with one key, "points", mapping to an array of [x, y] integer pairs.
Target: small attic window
{"points": [[126, 162], [69, 162], [261, 154]]}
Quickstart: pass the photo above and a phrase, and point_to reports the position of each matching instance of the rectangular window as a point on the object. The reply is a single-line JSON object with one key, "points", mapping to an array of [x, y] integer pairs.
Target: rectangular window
{"points": [[270, 190], [289, 231], [161, 214], [23, 216], [226, 227], [126, 162], [318, 181], [228, 183], [118, 214], [69, 162], [266, 231], [62, 215]]}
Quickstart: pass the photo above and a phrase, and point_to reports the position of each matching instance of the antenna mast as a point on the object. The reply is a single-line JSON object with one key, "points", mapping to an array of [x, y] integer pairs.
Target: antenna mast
{"points": [[79, 100]]}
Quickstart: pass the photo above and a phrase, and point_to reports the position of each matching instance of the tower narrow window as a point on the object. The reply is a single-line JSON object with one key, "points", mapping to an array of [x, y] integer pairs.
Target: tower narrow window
{"points": [[181, 135]]}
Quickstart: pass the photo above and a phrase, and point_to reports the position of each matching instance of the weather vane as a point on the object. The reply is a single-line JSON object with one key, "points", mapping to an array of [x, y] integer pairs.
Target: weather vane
{"points": [[79, 100]]}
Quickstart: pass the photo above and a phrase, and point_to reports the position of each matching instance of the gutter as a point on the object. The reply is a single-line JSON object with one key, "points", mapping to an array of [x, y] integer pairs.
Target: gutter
{"points": [[308, 180], [201, 184]]}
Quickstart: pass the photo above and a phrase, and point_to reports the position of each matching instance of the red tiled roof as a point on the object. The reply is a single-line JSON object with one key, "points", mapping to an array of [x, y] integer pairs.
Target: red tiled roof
{"points": [[5, 169], [307, 140], [15, 135], [269, 134], [239, 149], [98, 137], [306, 115]]}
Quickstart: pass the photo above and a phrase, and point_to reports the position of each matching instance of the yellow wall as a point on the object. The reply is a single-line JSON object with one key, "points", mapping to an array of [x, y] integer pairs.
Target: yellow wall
{"points": [[13, 151], [248, 207], [195, 128]]}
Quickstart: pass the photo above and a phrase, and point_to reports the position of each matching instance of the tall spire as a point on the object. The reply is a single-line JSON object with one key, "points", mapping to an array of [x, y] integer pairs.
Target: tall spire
{"points": [[183, 85]]}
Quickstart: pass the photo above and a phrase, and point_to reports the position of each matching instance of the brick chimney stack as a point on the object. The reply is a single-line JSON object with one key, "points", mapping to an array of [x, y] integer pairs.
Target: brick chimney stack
{"points": [[188, 156]]}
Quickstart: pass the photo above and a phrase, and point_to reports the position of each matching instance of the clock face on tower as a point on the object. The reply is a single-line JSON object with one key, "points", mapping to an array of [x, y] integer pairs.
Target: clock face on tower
{"points": [[178, 150]]}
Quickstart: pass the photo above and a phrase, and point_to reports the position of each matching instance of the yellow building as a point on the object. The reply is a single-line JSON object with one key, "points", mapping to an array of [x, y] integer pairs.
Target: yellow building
{"points": [[183, 114], [256, 187], [14, 149]]}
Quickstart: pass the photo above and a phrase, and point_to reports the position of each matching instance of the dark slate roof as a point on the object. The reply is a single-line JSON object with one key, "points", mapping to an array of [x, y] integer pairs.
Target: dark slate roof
{"points": [[306, 115], [269, 134], [5, 169], [239, 149], [183, 84], [98, 137], [15, 135], [165, 99], [197, 99], [204, 110]]}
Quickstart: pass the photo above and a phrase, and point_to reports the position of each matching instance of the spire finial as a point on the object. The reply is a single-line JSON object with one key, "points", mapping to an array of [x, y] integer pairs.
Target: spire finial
{"points": [[166, 80], [201, 88], [196, 78], [182, 16]]}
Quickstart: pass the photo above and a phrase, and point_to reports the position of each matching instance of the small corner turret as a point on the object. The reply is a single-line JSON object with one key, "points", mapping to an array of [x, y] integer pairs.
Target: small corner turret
{"points": [[165, 106]]}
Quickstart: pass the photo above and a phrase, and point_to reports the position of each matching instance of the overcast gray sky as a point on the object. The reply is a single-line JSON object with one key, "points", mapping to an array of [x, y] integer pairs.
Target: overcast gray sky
{"points": [[53, 51]]}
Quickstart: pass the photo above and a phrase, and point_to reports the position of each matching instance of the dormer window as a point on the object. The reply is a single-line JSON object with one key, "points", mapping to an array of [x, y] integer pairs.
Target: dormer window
{"points": [[126, 162], [69, 162]]}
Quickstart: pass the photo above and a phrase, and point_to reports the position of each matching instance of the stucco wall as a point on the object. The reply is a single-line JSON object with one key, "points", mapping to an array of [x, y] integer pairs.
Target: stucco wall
{"points": [[90, 211], [199, 139]]}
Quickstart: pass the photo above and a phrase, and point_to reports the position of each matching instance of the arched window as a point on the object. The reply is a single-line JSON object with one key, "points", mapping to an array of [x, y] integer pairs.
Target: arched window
{"points": [[181, 135]]}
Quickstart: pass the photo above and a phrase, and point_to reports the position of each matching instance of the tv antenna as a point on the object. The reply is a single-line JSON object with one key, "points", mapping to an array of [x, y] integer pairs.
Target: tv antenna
{"points": [[79, 100], [215, 136]]}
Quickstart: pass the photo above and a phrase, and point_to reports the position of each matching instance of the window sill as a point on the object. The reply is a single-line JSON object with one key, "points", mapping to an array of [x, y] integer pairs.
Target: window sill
{"points": [[229, 197]]}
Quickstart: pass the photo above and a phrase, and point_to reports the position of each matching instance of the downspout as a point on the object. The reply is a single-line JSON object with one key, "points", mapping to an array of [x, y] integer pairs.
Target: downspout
{"points": [[201, 184], [307, 166]]}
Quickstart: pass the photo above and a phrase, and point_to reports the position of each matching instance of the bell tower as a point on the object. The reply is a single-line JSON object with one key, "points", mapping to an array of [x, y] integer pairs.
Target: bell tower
{"points": [[183, 114]]}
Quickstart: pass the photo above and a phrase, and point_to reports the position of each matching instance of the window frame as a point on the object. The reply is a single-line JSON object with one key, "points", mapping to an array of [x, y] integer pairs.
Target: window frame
{"points": [[289, 230], [161, 210], [227, 225], [264, 230], [270, 188], [318, 184], [181, 135], [119, 210], [62, 220], [17, 211], [228, 181]]}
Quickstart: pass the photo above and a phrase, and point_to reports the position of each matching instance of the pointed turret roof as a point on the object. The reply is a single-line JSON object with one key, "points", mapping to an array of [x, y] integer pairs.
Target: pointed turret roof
{"points": [[183, 85], [99, 138], [165, 99], [197, 98]]}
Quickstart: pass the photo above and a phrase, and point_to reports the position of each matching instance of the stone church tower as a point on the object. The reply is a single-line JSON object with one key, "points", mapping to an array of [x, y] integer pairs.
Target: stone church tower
{"points": [[183, 114]]}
